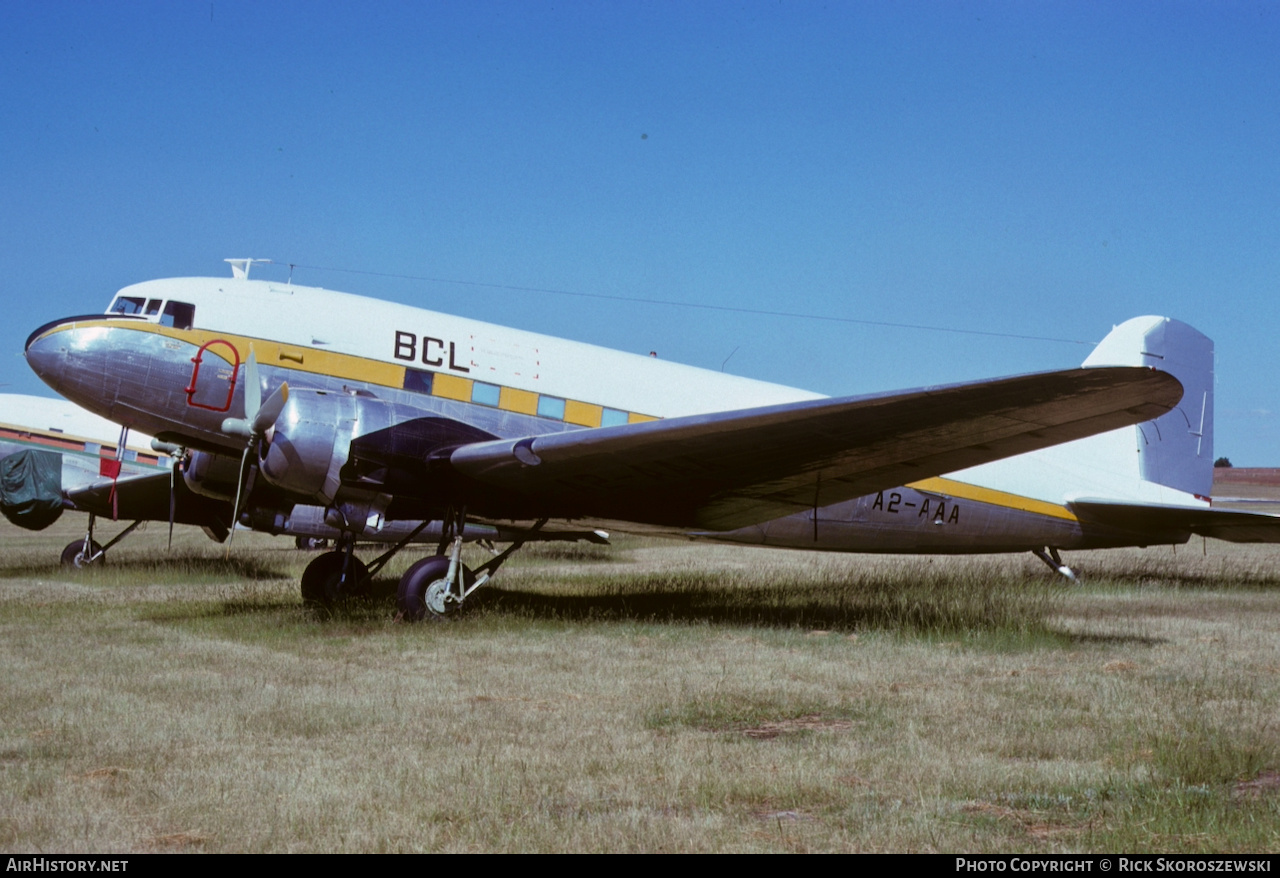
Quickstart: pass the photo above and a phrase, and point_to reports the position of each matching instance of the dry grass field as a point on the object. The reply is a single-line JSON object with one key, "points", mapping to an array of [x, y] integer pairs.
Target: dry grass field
{"points": [[645, 697]]}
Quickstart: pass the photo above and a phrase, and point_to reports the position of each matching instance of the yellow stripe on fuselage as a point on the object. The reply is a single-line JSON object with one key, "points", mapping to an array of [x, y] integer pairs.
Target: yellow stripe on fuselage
{"points": [[271, 353], [965, 491], [351, 367]]}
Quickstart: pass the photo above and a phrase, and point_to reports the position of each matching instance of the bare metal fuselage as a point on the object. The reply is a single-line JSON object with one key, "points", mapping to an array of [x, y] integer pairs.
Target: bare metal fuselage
{"points": [[181, 384]]}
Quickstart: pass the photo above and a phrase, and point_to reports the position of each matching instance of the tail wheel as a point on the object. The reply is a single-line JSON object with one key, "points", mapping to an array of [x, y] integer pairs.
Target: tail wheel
{"points": [[75, 554], [323, 583], [426, 592]]}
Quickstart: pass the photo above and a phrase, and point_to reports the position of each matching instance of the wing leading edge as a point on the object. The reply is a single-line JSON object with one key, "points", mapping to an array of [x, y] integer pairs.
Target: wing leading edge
{"points": [[731, 469]]}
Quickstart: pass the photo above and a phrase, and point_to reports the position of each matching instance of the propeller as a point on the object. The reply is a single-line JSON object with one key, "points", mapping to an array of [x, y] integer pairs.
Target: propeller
{"points": [[259, 417], [175, 452]]}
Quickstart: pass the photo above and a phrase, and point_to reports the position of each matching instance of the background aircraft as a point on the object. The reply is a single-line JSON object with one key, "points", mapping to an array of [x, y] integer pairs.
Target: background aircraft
{"points": [[48, 445], [379, 412]]}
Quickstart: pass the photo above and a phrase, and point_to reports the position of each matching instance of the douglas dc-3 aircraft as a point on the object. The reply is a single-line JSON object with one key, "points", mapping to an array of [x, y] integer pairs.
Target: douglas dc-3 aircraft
{"points": [[285, 395]]}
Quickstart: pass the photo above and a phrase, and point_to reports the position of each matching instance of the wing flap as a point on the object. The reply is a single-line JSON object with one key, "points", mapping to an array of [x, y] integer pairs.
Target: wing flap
{"points": [[731, 469]]}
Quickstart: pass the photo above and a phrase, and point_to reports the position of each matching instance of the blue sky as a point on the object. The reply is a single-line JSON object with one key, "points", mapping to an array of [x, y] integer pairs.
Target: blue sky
{"points": [[1038, 169]]}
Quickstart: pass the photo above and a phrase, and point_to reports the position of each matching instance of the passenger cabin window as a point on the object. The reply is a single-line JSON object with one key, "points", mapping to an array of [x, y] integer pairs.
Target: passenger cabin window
{"points": [[179, 315]]}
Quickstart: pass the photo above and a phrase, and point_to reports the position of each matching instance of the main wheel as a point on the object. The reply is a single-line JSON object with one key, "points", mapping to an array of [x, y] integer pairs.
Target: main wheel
{"points": [[424, 591], [310, 544], [74, 555], [323, 583]]}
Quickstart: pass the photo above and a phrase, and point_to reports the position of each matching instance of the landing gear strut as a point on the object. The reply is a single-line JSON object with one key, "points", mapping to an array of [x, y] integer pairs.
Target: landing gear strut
{"points": [[82, 553], [434, 587], [426, 590], [1049, 555], [438, 586]]}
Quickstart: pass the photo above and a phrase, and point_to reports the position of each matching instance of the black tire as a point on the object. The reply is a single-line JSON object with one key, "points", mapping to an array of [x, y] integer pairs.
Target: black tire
{"points": [[412, 593], [310, 544], [74, 554], [322, 583]]}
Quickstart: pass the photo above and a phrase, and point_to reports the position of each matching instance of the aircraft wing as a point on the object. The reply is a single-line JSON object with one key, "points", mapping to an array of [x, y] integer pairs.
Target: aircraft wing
{"points": [[1221, 524], [731, 469], [146, 497]]}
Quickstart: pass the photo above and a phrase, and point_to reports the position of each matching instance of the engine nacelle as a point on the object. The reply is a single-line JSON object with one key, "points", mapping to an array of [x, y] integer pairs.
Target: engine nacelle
{"points": [[211, 475], [311, 440]]}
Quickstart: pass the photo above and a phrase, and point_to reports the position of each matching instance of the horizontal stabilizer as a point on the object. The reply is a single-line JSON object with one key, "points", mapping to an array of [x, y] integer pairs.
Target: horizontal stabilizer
{"points": [[1153, 519], [731, 469]]}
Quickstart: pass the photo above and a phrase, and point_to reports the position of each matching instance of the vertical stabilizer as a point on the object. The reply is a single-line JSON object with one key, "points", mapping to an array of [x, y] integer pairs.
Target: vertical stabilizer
{"points": [[1175, 450]]}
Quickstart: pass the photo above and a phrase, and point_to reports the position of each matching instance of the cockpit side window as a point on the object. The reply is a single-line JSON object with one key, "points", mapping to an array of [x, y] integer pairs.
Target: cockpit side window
{"points": [[127, 305], [179, 315], [153, 307]]}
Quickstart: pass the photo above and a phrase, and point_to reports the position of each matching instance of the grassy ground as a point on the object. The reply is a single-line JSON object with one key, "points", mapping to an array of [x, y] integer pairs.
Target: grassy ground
{"points": [[648, 697]]}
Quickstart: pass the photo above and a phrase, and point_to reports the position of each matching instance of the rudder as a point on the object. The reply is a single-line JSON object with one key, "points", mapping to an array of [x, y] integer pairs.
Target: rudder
{"points": [[1176, 449]]}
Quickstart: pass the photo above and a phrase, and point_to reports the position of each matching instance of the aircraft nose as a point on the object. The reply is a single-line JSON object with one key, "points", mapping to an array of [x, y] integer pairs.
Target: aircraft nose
{"points": [[49, 349], [45, 354]]}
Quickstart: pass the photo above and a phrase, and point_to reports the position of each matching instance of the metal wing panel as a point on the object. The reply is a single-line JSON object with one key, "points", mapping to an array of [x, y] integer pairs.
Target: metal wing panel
{"points": [[731, 469], [146, 497]]}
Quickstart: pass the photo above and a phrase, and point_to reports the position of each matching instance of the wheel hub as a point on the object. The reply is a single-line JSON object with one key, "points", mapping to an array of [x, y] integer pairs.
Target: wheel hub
{"points": [[439, 597]]}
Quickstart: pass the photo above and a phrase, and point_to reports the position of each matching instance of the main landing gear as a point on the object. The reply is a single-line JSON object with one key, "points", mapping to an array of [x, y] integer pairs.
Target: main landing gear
{"points": [[1049, 555], [434, 587], [430, 588], [335, 576]]}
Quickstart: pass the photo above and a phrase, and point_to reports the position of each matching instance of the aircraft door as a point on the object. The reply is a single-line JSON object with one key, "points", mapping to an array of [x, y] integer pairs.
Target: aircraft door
{"points": [[213, 376]]}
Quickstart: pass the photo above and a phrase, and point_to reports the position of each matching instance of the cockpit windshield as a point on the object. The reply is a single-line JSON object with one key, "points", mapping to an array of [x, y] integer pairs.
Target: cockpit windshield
{"points": [[127, 305], [179, 315]]}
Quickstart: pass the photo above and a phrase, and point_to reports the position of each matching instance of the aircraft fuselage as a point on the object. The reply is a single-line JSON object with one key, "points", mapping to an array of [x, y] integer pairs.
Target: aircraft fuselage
{"points": [[170, 358]]}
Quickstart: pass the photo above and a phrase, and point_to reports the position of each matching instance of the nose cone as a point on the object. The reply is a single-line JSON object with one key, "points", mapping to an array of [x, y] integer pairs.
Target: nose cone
{"points": [[46, 356], [70, 359]]}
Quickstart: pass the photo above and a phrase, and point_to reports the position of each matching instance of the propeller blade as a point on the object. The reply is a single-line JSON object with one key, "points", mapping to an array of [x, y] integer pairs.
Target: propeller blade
{"points": [[173, 499], [235, 510], [269, 411], [176, 453], [252, 388]]}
